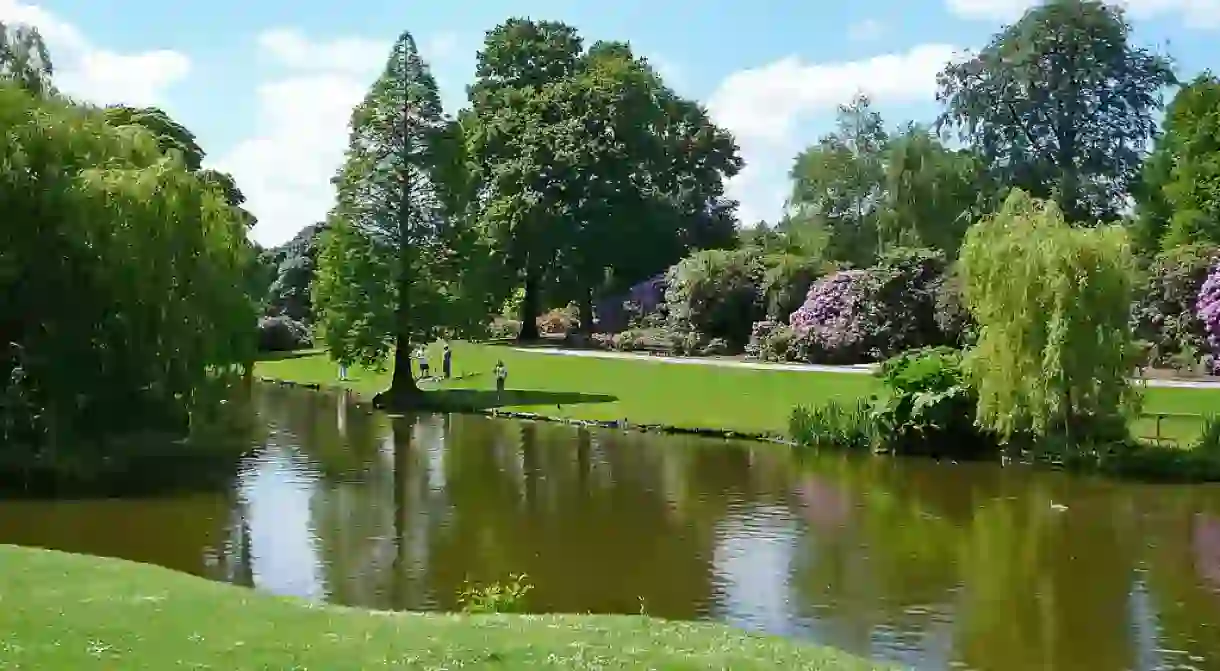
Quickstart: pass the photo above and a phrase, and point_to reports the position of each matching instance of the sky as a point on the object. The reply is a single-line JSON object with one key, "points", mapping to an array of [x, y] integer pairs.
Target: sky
{"points": [[268, 85]]}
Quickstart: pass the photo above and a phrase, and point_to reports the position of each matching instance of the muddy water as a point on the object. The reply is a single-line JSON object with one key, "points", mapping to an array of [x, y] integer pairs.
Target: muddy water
{"points": [[928, 565]]}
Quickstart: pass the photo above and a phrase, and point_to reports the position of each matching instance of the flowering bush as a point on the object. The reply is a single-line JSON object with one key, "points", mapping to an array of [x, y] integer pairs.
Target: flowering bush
{"points": [[559, 320], [1208, 306], [829, 322], [785, 283], [1165, 313], [865, 315]]}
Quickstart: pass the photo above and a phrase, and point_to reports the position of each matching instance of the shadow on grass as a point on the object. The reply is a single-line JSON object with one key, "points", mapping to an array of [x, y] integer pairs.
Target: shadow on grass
{"points": [[458, 400], [281, 356]]}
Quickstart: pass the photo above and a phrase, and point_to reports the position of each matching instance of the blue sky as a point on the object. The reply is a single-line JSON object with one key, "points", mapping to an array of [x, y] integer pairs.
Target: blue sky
{"points": [[267, 84]]}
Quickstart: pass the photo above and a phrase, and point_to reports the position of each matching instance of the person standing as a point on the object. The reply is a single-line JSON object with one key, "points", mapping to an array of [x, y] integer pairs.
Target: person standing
{"points": [[501, 377], [447, 362], [424, 369], [342, 372]]}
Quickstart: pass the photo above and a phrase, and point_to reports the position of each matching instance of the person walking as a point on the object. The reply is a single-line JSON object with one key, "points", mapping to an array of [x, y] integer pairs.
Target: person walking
{"points": [[447, 362], [501, 377], [342, 372]]}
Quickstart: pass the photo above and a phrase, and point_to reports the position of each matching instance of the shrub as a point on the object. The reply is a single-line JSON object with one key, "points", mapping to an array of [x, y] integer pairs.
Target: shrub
{"points": [[777, 345], [1208, 305], [282, 334], [952, 318], [828, 324], [1165, 312], [496, 597], [900, 301], [502, 329], [758, 333], [557, 321], [785, 283], [927, 406], [832, 425], [715, 293]]}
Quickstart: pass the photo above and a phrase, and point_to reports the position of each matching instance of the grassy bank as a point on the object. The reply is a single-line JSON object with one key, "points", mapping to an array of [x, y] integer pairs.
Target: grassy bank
{"points": [[64, 611], [688, 396]]}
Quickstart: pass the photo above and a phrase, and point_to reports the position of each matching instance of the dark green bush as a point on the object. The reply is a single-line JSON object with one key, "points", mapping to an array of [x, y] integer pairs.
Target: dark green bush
{"points": [[785, 282], [282, 334], [927, 406], [715, 293]]}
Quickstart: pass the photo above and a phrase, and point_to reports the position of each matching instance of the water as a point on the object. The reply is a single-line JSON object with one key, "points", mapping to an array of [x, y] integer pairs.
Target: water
{"points": [[929, 565]]}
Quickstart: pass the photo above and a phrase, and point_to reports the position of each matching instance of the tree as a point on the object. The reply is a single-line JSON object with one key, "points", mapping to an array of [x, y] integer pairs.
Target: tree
{"points": [[837, 184], [122, 277], [931, 192], [393, 263], [507, 147], [170, 135], [24, 59], [594, 175], [1052, 302], [1060, 104], [1179, 200]]}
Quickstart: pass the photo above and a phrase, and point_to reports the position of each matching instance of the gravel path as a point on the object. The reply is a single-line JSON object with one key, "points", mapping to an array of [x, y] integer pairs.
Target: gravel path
{"points": [[863, 369]]}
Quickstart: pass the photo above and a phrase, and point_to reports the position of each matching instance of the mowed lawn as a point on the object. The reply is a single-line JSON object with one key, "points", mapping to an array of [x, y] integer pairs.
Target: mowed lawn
{"points": [[645, 391], [77, 613]]}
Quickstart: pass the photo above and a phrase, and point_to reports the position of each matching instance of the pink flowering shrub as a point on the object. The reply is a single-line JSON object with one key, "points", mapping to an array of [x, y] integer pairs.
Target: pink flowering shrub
{"points": [[829, 325], [1208, 307]]}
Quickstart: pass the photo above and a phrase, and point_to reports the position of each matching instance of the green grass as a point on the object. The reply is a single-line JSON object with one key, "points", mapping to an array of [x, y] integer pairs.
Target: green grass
{"points": [[64, 611], [689, 396]]}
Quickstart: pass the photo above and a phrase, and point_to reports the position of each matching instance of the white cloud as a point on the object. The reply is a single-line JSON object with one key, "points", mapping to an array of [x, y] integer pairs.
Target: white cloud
{"points": [[764, 106], [98, 75], [1201, 14], [866, 30], [284, 167]]}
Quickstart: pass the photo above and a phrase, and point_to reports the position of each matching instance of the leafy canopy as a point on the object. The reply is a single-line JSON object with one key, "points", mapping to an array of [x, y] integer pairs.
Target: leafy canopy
{"points": [[1051, 302], [1060, 104]]}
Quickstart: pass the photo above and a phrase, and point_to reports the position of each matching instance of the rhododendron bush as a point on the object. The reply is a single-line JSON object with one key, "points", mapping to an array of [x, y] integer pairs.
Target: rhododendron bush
{"points": [[854, 316], [1209, 313], [1164, 313]]}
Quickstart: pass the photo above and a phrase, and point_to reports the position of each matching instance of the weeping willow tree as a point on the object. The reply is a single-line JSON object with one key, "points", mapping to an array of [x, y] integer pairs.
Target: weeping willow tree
{"points": [[121, 278], [1052, 302]]}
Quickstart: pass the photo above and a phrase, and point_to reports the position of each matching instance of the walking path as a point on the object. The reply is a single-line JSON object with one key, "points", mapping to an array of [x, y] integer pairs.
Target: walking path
{"points": [[862, 369]]}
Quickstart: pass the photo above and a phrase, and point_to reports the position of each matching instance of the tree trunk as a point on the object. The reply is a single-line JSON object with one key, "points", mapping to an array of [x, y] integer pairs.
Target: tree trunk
{"points": [[529, 306], [402, 385], [586, 312]]}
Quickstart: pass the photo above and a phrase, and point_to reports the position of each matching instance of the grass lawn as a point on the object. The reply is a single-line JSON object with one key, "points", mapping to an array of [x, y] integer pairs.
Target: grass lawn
{"points": [[653, 392], [64, 611], [642, 392]]}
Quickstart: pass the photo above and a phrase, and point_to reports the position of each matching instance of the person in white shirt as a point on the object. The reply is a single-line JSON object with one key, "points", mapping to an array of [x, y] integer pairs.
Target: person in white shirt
{"points": [[501, 376]]}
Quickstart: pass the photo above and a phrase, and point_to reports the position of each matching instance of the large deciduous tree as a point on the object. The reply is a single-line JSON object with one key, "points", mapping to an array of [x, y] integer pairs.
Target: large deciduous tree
{"points": [[1052, 303], [593, 174], [392, 264], [1060, 104], [837, 184], [1178, 202]]}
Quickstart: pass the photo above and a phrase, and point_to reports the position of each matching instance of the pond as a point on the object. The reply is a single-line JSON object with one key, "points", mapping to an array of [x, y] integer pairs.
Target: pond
{"points": [[928, 565]]}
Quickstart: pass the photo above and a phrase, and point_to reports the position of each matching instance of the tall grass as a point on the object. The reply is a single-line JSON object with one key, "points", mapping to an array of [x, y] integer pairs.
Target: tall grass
{"points": [[833, 425]]}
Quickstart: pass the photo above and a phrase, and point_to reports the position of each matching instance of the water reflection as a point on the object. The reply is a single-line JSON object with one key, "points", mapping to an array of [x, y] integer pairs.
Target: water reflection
{"points": [[928, 565]]}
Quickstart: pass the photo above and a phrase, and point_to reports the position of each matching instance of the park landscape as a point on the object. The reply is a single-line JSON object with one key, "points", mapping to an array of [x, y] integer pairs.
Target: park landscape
{"points": [[1032, 279]]}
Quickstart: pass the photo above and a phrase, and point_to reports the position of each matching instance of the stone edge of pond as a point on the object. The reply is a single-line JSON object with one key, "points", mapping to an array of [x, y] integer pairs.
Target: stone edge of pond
{"points": [[622, 425]]}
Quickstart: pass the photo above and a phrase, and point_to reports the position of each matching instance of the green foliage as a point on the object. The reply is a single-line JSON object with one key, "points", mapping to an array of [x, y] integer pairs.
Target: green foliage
{"points": [[401, 262], [833, 425], [122, 276], [931, 192], [837, 183], [1179, 201], [715, 293], [282, 334], [1208, 441], [1060, 104], [595, 175], [170, 135], [497, 597], [785, 283], [1052, 302], [927, 405]]}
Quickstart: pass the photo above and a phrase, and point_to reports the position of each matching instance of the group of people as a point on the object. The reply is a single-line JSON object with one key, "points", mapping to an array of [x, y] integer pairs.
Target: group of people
{"points": [[425, 369]]}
